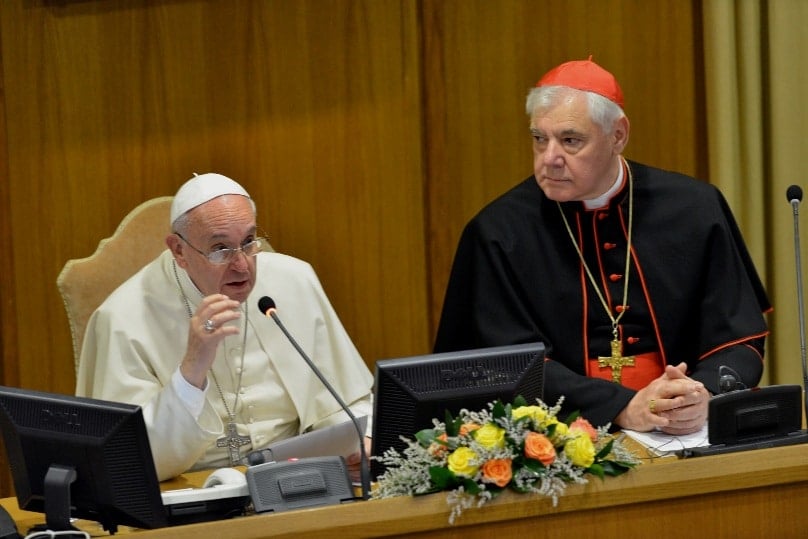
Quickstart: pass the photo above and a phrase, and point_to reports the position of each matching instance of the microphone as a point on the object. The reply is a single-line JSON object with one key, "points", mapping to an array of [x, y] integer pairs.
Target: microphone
{"points": [[794, 196], [729, 380], [267, 306]]}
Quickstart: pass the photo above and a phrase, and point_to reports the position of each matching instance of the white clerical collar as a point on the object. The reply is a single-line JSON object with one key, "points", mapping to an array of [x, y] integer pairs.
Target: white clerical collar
{"points": [[603, 200], [188, 287]]}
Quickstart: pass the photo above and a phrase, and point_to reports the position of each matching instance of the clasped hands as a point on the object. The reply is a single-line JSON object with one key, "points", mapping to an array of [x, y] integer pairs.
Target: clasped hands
{"points": [[672, 403]]}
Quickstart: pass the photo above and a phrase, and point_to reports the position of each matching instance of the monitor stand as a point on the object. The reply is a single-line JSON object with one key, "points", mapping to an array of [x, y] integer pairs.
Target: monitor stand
{"points": [[57, 497]]}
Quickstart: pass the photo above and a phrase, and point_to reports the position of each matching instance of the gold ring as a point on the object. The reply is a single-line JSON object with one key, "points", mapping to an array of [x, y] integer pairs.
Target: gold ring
{"points": [[652, 406]]}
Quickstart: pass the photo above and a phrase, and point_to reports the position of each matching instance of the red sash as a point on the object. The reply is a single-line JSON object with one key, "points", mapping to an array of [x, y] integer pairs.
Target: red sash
{"points": [[646, 368]]}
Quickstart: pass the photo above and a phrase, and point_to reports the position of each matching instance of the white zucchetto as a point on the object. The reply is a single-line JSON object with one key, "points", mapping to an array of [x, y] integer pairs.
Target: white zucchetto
{"points": [[202, 188]]}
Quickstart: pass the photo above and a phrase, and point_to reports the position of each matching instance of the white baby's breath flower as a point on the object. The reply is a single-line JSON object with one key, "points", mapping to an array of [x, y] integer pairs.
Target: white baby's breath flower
{"points": [[410, 472]]}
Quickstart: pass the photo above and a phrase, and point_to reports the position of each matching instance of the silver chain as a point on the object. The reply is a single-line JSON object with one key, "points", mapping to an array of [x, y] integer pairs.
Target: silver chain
{"points": [[230, 414]]}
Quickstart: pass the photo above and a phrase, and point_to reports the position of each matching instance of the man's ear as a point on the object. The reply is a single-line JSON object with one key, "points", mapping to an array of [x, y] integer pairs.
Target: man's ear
{"points": [[177, 248], [620, 134]]}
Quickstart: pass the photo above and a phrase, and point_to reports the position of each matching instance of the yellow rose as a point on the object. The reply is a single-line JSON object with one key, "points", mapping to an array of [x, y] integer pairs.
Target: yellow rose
{"points": [[536, 413], [561, 430], [580, 450], [490, 436], [582, 425], [462, 461]]}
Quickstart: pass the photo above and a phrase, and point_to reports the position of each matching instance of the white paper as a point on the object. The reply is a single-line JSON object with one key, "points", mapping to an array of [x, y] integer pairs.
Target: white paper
{"points": [[341, 440], [663, 444]]}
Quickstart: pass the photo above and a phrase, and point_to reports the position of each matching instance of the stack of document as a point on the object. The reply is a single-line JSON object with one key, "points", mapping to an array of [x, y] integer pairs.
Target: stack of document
{"points": [[341, 439], [660, 444]]}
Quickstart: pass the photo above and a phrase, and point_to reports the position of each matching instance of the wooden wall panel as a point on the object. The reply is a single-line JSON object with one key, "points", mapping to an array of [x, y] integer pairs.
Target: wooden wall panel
{"points": [[312, 105], [369, 132], [481, 59], [8, 335]]}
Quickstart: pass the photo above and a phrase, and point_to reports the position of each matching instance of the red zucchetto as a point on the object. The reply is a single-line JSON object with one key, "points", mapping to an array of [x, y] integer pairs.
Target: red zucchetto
{"points": [[584, 75]]}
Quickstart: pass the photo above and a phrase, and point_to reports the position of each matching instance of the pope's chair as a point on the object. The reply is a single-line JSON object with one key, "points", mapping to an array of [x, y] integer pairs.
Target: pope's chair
{"points": [[85, 283]]}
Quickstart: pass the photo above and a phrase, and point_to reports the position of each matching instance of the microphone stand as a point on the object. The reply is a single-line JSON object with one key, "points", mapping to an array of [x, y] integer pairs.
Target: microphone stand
{"points": [[364, 472], [795, 207]]}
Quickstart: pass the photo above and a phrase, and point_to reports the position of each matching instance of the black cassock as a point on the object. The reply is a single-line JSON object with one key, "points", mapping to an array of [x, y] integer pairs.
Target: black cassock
{"points": [[694, 294]]}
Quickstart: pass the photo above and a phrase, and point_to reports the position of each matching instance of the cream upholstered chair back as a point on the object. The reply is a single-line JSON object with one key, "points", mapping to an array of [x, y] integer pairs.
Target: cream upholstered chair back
{"points": [[85, 283]]}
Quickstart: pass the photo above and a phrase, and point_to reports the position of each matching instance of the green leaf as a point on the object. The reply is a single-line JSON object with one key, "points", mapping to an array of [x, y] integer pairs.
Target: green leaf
{"points": [[426, 436], [535, 466], [614, 468], [519, 401], [442, 477], [596, 469], [603, 453], [452, 424], [470, 486], [498, 410], [572, 417]]}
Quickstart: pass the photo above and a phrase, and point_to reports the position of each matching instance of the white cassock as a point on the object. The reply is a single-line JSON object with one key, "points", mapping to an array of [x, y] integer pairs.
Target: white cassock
{"points": [[137, 338]]}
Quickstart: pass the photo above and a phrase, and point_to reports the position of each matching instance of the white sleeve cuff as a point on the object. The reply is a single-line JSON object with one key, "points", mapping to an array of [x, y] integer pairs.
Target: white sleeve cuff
{"points": [[191, 396]]}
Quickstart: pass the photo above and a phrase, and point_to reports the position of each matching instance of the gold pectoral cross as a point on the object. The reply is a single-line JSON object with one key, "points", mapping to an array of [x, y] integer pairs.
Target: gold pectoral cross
{"points": [[616, 361]]}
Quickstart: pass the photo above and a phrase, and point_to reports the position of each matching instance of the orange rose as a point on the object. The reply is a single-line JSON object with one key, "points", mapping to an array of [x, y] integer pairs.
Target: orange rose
{"points": [[539, 447], [497, 471], [582, 425], [467, 428], [436, 449]]}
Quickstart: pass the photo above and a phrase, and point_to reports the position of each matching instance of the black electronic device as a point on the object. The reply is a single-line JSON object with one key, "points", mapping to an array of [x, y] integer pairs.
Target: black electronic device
{"points": [[755, 418], [411, 391], [267, 306], [306, 482], [75, 457], [8, 529]]}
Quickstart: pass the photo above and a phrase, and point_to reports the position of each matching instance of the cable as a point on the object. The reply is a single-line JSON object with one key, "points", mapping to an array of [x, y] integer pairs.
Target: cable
{"points": [[50, 534]]}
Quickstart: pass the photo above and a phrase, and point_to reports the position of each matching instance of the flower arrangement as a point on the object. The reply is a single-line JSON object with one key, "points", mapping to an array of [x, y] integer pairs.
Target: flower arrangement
{"points": [[524, 447]]}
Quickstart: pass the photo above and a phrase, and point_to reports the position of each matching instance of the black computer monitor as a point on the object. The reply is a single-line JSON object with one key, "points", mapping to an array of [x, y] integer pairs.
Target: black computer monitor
{"points": [[81, 458], [409, 392]]}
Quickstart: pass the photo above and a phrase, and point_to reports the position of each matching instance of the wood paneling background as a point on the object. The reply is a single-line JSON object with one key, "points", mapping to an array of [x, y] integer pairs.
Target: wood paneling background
{"points": [[481, 59], [368, 132]]}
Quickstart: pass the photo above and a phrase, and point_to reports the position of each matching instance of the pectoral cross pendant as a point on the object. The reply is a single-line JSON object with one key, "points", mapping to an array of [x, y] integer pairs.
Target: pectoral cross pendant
{"points": [[616, 361], [233, 442]]}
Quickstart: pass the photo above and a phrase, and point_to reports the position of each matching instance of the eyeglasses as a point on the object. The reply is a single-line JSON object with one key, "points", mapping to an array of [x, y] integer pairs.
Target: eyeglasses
{"points": [[225, 255]]}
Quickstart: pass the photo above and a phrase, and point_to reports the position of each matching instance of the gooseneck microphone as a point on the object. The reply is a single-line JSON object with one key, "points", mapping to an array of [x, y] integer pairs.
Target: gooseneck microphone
{"points": [[794, 196], [267, 306]]}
